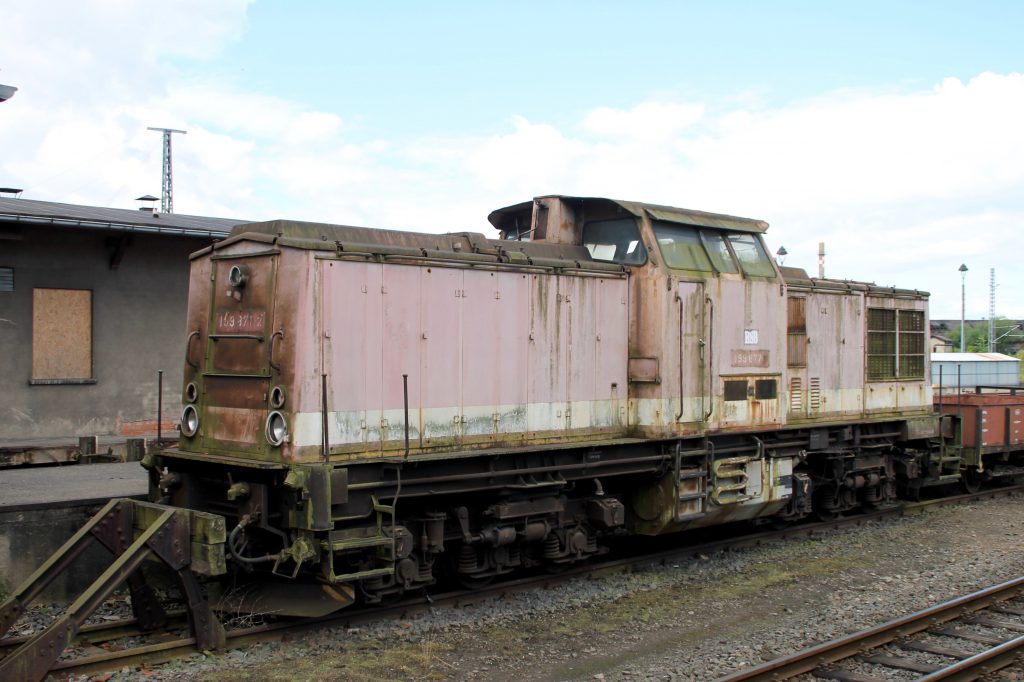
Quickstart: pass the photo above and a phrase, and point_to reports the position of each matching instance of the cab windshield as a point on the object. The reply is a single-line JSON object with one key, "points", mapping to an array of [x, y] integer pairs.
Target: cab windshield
{"points": [[751, 255], [686, 247]]}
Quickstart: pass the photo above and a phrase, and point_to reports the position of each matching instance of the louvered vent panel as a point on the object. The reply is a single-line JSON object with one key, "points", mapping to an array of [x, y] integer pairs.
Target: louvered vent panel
{"points": [[814, 391], [796, 395]]}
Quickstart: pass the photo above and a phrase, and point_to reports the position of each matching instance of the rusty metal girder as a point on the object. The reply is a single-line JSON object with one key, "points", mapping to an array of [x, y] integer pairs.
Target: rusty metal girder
{"points": [[132, 531]]}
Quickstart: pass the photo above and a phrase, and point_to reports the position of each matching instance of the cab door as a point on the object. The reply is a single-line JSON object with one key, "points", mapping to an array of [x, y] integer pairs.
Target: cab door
{"points": [[694, 371]]}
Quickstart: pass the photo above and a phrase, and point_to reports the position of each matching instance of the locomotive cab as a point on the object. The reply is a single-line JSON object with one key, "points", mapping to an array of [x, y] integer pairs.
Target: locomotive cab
{"points": [[696, 279]]}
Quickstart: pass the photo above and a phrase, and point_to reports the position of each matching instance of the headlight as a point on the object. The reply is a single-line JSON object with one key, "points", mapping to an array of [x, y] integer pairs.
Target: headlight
{"points": [[277, 398], [189, 421], [191, 392], [277, 429], [238, 275]]}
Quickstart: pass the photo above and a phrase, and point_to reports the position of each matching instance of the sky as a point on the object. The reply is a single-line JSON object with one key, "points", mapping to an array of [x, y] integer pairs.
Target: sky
{"points": [[891, 131]]}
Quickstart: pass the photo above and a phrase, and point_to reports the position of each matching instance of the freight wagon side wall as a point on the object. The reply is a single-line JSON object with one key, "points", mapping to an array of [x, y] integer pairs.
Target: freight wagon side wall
{"points": [[492, 356]]}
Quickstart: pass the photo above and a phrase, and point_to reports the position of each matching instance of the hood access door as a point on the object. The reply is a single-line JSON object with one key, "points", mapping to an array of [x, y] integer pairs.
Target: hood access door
{"points": [[243, 311]]}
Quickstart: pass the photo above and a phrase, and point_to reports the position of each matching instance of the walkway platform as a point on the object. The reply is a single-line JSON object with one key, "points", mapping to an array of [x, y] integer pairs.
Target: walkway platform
{"points": [[41, 507], [32, 451], [79, 485]]}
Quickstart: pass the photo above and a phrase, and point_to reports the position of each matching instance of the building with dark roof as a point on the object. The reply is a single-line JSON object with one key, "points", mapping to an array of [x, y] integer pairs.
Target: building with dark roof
{"points": [[92, 307]]}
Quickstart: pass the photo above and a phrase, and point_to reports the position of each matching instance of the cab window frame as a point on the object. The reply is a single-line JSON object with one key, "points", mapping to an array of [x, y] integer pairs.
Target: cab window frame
{"points": [[760, 251], [637, 237], [705, 236], [663, 229]]}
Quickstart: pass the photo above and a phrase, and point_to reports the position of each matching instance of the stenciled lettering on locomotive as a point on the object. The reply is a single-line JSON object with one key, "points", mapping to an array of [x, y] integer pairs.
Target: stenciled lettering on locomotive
{"points": [[240, 321], [750, 358]]}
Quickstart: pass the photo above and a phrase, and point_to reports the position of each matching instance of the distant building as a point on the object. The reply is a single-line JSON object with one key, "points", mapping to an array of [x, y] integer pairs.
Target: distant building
{"points": [[967, 370], [92, 305], [940, 344]]}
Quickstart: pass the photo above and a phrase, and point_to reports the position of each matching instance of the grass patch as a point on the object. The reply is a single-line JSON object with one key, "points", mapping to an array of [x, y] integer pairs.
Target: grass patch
{"points": [[356, 662], [668, 603]]}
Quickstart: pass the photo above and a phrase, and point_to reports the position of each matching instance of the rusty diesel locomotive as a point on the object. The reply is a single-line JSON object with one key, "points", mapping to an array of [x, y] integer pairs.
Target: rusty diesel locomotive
{"points": [[372, 410]]}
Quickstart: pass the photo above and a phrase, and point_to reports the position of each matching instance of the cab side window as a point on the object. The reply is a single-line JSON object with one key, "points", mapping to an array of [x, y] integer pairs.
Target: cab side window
{"points": [[681, 248], [751, 255], [615, 240]]}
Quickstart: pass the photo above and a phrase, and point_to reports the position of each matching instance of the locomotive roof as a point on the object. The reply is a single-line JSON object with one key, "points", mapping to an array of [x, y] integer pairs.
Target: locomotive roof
{"points": [[797, 279], [670, 214], [467, 246]]}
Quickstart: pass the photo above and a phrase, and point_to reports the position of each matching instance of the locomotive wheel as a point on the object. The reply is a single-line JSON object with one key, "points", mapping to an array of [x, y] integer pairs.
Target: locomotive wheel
{"points": [[475, 582], [826, 514], [970, 480]]}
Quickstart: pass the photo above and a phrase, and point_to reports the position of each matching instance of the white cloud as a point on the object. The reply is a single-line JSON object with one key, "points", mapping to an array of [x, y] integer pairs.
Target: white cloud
{"points": [[649, 121], [902, 186]]}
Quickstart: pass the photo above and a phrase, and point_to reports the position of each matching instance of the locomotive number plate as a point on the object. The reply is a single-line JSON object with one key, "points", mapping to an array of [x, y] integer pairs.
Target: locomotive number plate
{"points": [[240, 321], [750, 358]]}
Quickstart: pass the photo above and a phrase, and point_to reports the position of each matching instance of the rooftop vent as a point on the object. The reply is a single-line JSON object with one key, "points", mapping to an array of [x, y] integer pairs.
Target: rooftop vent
{"points": [[13, 191], [147, 203]]}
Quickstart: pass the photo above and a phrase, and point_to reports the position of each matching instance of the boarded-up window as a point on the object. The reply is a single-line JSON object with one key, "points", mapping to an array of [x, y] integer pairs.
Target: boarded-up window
{"points": [[61, 336]]}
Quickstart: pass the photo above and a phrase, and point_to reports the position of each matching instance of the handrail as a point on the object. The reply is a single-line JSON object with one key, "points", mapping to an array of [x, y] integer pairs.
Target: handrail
{"points": [[270, 350], [188, 349]]}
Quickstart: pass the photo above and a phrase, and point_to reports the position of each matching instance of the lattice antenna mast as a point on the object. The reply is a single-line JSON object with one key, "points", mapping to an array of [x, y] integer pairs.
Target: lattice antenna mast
{"points": [[167, 184], [991, 310]]}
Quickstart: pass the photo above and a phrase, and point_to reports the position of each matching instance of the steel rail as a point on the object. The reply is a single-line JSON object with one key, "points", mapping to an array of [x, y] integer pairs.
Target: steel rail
{"points": [[980, 664], [822, 655], [162, 652], [95, 633]]}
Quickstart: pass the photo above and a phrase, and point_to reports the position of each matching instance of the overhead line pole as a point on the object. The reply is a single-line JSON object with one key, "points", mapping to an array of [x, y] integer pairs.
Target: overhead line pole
{"points": [[167, 182]]}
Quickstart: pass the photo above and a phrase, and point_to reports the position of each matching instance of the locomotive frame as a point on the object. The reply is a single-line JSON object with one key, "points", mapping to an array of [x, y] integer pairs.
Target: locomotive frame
{"points": [[372, 410]]}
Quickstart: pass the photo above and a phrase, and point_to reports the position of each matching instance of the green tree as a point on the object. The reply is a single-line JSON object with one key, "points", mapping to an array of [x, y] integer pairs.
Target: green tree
{"points": [[977, 336]]}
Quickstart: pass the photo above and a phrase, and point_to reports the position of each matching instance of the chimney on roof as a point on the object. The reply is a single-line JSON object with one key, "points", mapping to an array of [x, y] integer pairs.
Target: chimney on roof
{"points": [[147, 203]]}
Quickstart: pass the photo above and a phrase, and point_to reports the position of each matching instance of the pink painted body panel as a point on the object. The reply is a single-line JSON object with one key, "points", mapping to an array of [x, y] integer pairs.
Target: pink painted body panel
{"points": [[546, 366], [441, 361], [352, 349], [483, 310], [303, 340], [749, 345], [512, 335], [400, 341], [611, 352], [582, 329], [343, 295], [463, 337]]}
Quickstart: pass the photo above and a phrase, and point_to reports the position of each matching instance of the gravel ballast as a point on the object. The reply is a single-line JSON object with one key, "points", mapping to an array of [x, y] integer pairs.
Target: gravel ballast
{"points": [[694, 619]]}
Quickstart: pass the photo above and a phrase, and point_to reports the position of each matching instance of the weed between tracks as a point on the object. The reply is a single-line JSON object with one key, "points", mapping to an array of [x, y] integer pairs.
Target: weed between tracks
{"points": [[355, 662], [673, 603]]}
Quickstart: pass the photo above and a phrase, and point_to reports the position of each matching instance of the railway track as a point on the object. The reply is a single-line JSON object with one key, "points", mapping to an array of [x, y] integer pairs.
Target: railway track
{"points": [[972, 635], [103, 647]]}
